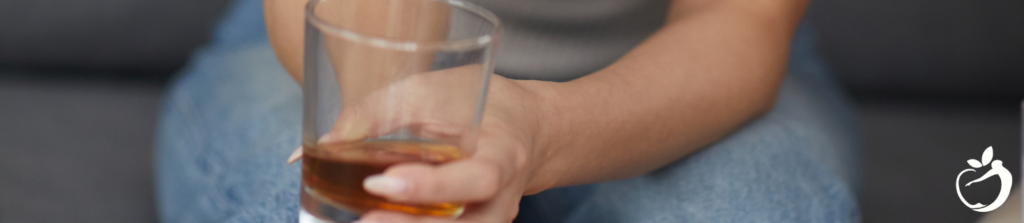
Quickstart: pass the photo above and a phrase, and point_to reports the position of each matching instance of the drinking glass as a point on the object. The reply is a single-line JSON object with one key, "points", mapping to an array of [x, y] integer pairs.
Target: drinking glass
{"points": [[387, 82]]}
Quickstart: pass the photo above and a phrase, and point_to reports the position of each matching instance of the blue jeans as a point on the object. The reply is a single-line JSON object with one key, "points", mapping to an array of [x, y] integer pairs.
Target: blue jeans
{"points": [[231, 118]]}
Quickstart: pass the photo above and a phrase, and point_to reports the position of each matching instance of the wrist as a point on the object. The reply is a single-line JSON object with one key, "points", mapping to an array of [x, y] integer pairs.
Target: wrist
{"points": [[548, 137]]}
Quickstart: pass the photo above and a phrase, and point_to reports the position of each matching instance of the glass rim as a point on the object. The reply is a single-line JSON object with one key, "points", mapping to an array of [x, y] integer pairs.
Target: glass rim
{"points": [[406, 45]]}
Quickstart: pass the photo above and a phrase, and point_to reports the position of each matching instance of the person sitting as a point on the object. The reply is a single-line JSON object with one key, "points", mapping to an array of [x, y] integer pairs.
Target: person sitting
{"points": [[609, 111]]}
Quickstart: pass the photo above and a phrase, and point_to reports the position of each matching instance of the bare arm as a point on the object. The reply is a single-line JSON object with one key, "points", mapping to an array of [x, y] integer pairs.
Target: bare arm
{"points": [[285, 27], [714, 66]]}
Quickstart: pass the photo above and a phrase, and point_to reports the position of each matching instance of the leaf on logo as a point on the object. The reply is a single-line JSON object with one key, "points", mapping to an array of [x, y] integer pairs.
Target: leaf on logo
{"points": [[986, 157], [974, 163]]}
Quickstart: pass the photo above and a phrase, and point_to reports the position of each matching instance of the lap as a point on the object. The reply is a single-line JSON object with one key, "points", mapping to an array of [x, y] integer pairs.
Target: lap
{"points": [[227, 126], [788, 166]]}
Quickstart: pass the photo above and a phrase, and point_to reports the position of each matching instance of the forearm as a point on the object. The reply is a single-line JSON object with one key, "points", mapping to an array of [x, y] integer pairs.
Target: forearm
{"points": [[709, 70]]}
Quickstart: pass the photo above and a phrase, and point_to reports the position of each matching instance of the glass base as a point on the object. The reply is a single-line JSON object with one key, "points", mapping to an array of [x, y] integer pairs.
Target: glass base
{"points": [[306, 217], [314, 210]]}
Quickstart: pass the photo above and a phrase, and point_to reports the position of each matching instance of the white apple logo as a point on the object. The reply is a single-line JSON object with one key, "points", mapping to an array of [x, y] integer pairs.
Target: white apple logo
{"points": [[997, 170]]}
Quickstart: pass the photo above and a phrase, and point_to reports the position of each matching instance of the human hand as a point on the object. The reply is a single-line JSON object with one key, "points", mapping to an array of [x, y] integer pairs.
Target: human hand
{"points": [[491, 180]]}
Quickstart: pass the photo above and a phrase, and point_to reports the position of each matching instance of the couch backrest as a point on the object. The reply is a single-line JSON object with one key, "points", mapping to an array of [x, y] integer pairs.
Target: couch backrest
{"points": [[944, 47], [151, 36], [927, 47]]}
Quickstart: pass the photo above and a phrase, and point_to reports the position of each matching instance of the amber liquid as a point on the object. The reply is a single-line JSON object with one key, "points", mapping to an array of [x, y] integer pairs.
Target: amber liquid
{"points": [[334, 173]]}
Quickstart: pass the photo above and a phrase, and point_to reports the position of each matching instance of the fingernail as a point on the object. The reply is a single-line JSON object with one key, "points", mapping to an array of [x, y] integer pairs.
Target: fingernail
{"points": [[296, 155], [380, 184], [325, 139], [355, 130]]}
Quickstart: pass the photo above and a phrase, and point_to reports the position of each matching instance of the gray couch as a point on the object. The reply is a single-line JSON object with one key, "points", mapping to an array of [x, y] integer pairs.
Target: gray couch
{"points": [[933, 83]]}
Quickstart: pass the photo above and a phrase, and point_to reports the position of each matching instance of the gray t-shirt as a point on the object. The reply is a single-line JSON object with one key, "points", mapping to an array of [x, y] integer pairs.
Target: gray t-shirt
{"points": [[560, 40]]}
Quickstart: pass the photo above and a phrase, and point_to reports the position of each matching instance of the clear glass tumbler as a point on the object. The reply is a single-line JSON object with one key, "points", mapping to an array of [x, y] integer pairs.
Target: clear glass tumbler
{"points": [[387, 82]]}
